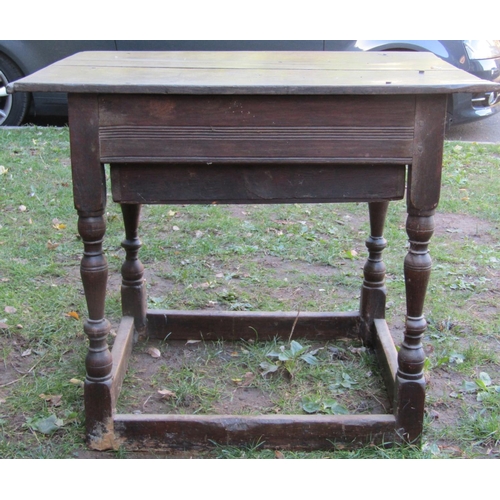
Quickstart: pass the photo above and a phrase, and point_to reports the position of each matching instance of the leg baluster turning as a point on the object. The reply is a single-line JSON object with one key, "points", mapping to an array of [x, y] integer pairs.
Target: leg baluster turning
{"points": [[133, 290], [373, 292], [98, 363], [410, 383]]}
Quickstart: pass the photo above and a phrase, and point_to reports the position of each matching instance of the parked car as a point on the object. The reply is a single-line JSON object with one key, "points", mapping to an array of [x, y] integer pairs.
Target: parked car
{"points": [[19, 58]]}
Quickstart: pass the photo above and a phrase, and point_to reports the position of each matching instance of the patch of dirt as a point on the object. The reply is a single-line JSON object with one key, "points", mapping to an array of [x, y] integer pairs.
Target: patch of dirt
{"points": [[191, 363], [243, 400], [193, 377], [238, 211], [145, 455], [17, 363], [460, 227], [17, 359], [196, 368], [442, 408]]}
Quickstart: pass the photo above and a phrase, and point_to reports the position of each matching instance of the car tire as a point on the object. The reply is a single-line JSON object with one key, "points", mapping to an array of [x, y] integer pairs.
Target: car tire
{"points": [[14, 107]]}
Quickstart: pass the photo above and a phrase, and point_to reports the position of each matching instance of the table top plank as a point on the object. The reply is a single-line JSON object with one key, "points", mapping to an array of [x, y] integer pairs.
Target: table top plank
{"points": [[252, 73], [260, 60]]}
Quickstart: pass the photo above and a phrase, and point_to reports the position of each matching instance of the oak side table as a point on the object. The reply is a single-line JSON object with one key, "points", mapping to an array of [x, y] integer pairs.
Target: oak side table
{"points": [[254, 127]]}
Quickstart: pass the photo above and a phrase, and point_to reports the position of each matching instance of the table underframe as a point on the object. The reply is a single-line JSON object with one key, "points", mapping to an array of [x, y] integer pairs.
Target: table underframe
{"points": [[145, 176]]}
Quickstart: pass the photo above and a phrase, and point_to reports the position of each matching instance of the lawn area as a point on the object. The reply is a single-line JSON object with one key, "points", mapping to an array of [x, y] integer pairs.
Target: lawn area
{"points": [[287, 257]]}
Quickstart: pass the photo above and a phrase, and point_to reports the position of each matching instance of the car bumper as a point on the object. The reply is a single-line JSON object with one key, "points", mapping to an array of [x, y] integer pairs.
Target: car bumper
{"points": [[472, 107]]}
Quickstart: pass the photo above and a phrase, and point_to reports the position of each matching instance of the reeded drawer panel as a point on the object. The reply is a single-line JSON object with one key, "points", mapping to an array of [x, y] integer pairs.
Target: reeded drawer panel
{"points": [[256, 129]]}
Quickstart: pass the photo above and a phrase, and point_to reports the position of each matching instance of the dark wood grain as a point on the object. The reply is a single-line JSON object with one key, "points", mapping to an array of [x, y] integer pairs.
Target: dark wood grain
{"points": [[410, 381], [250, 111], [89, 182], [373, 291], [175, 184], [387, 355], [294, 129], [251, 325], [133, 289], [298, 432], [89, 194], [122, 348], [98, 362], [424, 180]]}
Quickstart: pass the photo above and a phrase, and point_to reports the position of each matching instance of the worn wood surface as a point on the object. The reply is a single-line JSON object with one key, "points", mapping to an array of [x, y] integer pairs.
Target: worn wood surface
{"points": [[251, 325], [373, 291], [122, 347], [256, 129], [252, 72], [410, 380], [176, 184], [424, 179], [133, 289], [387, 355], [306, 432], [89, 182]]}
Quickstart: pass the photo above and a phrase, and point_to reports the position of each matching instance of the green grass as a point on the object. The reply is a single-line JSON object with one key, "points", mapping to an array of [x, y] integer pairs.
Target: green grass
{"points": [[235, 378], [307, 257]]}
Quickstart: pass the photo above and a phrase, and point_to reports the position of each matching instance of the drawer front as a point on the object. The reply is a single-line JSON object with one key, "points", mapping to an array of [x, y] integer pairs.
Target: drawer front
{"points": [[195, 183]]}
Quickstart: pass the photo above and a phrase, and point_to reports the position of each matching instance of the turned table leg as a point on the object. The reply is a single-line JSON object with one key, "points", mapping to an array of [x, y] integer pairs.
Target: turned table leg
{"points": [[373, 291], [133, 290], [89, 194], [410, 382], [98, 363], [423, 189]]}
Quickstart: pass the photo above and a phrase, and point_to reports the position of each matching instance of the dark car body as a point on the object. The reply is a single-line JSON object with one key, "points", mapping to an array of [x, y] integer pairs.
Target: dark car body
{"points": [[19, 58]]}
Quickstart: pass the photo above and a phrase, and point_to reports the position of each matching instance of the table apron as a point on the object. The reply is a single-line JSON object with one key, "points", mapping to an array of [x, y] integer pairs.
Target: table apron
{"points": [[256, 129]]}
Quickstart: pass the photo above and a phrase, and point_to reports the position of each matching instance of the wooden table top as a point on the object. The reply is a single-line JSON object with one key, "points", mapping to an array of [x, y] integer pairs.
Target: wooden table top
{"points": [[252, 73]]}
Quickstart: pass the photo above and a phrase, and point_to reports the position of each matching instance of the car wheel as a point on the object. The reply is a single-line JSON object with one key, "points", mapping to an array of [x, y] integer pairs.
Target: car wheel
{"points": [[13, 107]]}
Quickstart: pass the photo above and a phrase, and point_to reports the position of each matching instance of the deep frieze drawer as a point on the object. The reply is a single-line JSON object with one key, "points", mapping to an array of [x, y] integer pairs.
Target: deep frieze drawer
{"points": [[166, 183]]}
